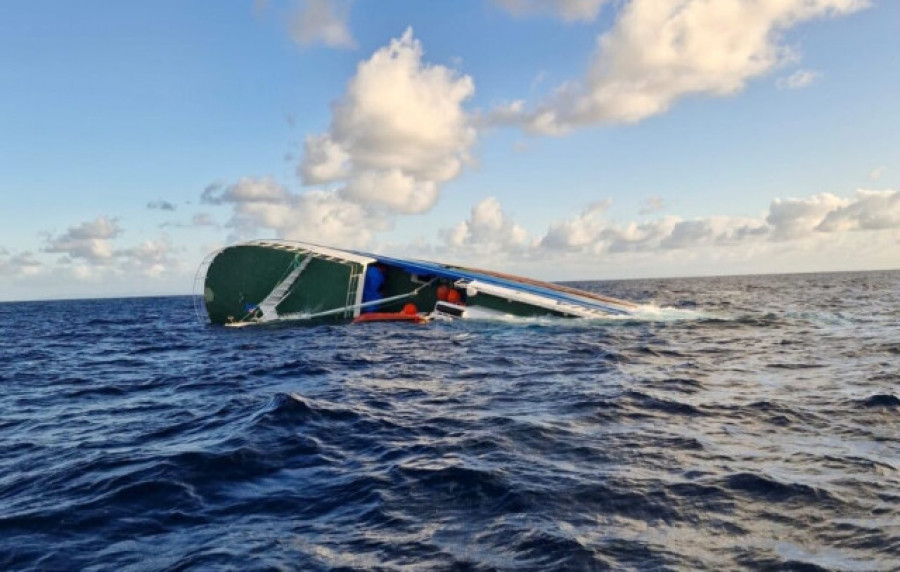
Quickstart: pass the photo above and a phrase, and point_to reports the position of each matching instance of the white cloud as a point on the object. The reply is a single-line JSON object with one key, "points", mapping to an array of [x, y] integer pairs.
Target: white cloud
{"points": [[398, 132], [19, 265], [324, 160], [805, 234], [151, 258], [872, 210], [94, 263], [568, 10], [152, 266], [487, 229], [796, 218], [579, 232], [738, 230], [247, 190], [801, 221], [822, 232], [394, 189], [661, 50], [578, 247], [322, 21], [637, 237], [318, 216], [88, 240], [100, 228], [688, 233], [591, 232], [799, 79]]}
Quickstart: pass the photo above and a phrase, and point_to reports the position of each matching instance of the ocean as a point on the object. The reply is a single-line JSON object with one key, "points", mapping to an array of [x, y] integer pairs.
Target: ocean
{"points": [[734, 423]]}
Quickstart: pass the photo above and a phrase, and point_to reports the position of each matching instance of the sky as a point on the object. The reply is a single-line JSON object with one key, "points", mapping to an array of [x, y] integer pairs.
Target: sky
{"points": [[559, 139]]}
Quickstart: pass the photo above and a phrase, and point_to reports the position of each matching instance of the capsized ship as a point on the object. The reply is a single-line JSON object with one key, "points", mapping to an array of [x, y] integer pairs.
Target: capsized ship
{"points": [[278, 280]]}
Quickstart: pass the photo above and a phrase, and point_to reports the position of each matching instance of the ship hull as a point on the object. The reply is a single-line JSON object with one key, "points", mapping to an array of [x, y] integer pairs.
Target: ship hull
{"points": [[266, 281]]}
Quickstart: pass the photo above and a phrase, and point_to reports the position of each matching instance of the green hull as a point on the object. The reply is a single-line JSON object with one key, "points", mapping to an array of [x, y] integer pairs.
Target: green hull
{"points": [[240, 277]]}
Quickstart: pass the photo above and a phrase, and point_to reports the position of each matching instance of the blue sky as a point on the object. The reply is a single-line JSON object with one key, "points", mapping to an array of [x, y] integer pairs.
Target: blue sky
{"points": [[562, 139]]}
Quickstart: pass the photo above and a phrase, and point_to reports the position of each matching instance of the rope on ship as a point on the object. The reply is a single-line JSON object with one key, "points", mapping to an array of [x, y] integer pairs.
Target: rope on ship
{"points": [[308, 316]]}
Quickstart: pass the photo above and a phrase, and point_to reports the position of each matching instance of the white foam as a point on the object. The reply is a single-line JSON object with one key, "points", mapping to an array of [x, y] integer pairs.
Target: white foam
{"points": [[654, 313], [642, 313]]}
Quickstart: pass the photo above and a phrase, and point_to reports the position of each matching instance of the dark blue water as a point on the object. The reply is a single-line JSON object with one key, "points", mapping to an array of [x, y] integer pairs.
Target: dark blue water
{"points": [[737, 423]]}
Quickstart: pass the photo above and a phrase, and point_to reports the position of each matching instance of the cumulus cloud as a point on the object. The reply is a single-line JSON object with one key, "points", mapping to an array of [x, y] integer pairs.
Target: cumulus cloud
{"points": [[490, 237], [318, 216], [578, 232], [247, 190], [88, 240], [591, 233], [394, 189], [738, 230], [19, 265], [323, 160], [687, 233], [797, 218], [488, 228], [799, 79], [92, 255], [636, 237], [152, 258], [322, 21], [568, 10], [660, 51], [872, 210], [398, 132]]}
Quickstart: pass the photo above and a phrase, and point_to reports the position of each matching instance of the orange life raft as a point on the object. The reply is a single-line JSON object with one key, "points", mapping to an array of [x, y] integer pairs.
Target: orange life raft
{"points": [[389, 317]]}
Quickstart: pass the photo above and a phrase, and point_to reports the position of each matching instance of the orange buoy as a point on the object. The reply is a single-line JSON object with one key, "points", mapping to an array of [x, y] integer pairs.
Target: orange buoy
{"points": [[409, 310], [454, 297], [442, 292]]}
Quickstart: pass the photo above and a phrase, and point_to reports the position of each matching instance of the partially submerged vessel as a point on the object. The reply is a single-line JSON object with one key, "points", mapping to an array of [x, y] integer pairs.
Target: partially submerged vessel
{"points": [[266, 281]]}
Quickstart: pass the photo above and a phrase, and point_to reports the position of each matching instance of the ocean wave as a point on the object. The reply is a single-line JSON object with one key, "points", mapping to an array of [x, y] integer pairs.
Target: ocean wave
{"points": [[732, 423]]}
